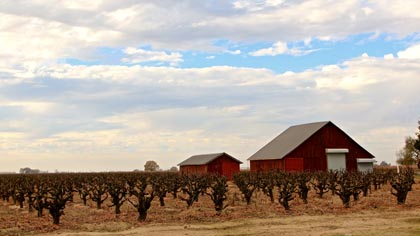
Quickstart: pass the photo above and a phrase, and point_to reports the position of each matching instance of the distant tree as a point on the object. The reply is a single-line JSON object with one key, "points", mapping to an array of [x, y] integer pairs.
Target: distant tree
{"points": [[384, 163], [417, 144], [151, 166], [28, 170], [173, 169], [408, 155]]}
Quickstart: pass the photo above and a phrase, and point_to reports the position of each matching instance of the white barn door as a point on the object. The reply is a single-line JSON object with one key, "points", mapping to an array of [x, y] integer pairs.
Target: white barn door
{"points": [[336, 158]]}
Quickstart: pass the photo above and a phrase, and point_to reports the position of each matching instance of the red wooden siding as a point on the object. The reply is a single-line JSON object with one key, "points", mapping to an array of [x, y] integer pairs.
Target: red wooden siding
{"points": [[294, 164], [313, 149], [266, 165], [223, 165], [311, 154], [193, 169]]}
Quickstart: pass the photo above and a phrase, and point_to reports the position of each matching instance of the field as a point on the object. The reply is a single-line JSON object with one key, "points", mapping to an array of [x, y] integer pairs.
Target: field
{"points": [[376, 214]]}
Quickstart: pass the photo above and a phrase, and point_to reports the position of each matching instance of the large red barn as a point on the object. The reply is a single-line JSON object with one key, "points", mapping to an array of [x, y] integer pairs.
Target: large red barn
{"points": [[314, 146], [216, 163]]}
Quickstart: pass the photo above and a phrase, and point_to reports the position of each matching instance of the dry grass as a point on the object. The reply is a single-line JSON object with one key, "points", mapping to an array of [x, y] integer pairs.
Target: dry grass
{"points": [[377, 214]]}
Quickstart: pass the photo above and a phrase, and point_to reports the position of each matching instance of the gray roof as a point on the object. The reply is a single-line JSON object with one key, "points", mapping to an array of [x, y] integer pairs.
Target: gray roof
{"points": [[287, 141], [204, 159]]}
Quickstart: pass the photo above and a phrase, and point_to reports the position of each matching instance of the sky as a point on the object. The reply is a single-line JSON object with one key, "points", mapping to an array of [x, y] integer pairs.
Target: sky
{"points": [[109, 85]]}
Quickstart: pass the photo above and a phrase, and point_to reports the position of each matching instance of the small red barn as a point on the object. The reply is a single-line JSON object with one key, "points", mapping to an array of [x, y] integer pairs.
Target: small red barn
{"points": [[314, 146], [216, 163]]}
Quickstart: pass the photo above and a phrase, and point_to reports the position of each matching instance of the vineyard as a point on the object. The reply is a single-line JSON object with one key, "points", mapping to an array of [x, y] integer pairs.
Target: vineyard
{"points": [[46, 202]]}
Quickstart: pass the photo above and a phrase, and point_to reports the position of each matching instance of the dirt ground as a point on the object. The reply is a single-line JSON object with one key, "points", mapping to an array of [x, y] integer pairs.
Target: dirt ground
{"points": [[405, 222], [376, 214]]}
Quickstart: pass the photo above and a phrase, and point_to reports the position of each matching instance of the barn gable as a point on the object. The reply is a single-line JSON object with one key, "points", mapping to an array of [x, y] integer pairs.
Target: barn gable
{"points": [[216, 163], [287, 141], [313, 146], [205, 159]]}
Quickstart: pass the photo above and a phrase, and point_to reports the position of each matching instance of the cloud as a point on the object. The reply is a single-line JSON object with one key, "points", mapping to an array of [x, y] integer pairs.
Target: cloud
{"points": [[35, 32], [235, 52], [276, 49], [31, 41], [389, 56], [280, 48], [412, 52], [29, 106], [53, 113], [139, 55], [256, 5], [164, 113]]}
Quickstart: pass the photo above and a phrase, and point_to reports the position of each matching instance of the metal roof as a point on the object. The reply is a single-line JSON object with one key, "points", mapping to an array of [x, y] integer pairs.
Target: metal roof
{"points": [[204, 159], [287, 141]]}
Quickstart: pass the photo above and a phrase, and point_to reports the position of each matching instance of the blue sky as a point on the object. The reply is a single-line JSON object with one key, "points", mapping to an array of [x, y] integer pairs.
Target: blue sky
{"points": [[319, 53], [105, 85]]}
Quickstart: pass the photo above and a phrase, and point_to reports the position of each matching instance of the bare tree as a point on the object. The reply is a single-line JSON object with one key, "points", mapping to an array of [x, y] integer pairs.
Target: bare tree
{"points": [[218, 190], [401, 184]]}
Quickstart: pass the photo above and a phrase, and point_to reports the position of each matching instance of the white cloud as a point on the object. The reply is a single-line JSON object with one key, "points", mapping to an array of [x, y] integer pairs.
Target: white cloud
{"points": [[136, 112], [412, 52], [235, 52], [139, 55], [256, 5], [389, 56], [280, 48], [33, 41], [277, 49], [41, 31], [30, 106], [164, 113]]}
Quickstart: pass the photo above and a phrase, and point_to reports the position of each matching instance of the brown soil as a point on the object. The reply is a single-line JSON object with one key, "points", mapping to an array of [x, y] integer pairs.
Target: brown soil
{"points": [[377, 214]]}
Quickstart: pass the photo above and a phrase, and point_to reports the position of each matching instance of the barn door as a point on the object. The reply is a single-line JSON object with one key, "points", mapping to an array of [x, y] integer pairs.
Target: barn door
{"points": [[365, 165], [336, 159]]}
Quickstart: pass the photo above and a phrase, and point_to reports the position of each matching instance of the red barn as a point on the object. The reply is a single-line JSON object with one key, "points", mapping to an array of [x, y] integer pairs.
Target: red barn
{"points": [[313, 146], [217, 163]]}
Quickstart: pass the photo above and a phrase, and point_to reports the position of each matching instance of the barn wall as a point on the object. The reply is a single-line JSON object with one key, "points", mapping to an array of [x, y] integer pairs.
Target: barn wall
{"points": [[294, 164], [193, 169], [330, 136], [225, 166], [266, 165]]}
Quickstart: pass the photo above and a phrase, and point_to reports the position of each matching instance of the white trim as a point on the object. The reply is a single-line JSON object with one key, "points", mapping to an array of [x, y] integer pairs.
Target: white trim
{"points": [[336, 150], [365, 160]]}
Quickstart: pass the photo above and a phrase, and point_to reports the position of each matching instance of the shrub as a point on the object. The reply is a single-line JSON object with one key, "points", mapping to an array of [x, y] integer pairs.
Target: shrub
{"points": [[401, 184], [247, 183], [218, 189], [287, 185]]}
